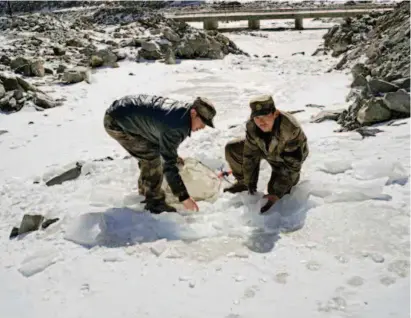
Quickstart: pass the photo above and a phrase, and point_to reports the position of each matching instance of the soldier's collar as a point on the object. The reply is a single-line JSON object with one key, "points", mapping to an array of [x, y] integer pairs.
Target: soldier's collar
{"points": [[276, 127]]}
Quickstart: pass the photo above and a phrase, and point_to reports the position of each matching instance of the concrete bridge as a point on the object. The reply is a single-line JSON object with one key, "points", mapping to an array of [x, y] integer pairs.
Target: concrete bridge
{"points": [[210, 19]]}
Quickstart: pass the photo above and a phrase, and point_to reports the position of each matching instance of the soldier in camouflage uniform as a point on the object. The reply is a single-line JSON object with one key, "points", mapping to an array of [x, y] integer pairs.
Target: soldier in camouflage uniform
{"points": [[272, 135], [151, 128]]}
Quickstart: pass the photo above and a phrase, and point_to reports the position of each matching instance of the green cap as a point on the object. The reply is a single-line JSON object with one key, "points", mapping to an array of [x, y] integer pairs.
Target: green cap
{"points": [[262, 105], [205, 109]]}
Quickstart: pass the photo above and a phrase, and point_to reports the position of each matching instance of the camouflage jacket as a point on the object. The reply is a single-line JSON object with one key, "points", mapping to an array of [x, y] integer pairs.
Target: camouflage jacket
{"points": [[163, 121], [287, 149]]}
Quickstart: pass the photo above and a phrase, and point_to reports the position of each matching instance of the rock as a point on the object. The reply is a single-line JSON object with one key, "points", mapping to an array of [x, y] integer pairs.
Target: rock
{"points": [[326, 115], [150, 50], [74, 42], [104, 57], [37, 68], [76, 75], [26, 67], [169, 57], [402, 83], [71, 174], [379, 86], [18, 94], [360, 69], [59, 51], [10, 83], [61, 68], [30, 223], [2, 91], [398, 101], [96, 61], [368, 132], [170, 35], [373, 111], [44, 101], [25, 85], [5, 60], [21, 65], [359, 81]]}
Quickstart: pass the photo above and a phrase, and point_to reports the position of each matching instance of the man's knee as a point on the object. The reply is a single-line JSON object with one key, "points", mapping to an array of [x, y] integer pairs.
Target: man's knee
{"points": [[282, 181], [234, 148]]}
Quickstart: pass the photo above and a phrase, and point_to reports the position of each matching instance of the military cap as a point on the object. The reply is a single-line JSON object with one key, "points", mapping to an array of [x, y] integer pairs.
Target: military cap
{"points": [[262, 105], [205, 109]]}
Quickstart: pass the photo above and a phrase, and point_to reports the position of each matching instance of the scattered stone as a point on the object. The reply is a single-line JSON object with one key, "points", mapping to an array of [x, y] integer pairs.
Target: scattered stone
{"points": [[29, 223], [296, 111], [301, 53], [368, 132], [49, 222], [44, 101], [71, 174], [192, 284], [326, 115], [398, 101], [3, 132], [76, 75], [314, 106], [377, 86]]}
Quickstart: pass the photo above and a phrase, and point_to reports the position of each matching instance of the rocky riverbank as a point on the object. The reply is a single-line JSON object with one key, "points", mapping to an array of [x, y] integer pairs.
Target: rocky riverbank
{"points": [[376, 47], [52, 48]]}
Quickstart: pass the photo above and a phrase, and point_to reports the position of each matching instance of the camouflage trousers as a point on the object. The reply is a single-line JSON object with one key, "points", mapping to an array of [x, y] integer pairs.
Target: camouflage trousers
{"points": [[148, 157], [282, 179]]}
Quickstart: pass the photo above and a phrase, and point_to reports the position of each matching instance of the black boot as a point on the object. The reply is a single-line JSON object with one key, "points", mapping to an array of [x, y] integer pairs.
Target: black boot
{"points": [[157, 207], [235, 188]]}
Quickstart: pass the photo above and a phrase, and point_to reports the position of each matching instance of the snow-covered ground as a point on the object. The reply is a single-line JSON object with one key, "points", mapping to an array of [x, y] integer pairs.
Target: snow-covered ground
{"points": [[338, 246]]}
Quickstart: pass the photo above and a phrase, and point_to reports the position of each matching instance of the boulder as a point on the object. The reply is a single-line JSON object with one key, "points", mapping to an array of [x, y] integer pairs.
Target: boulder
{"points": [[103, 57], [379, 86], [373, 111], [44, 101], [76, 75], [201, 182], [150, 50], [2, 91], [398, 101]]}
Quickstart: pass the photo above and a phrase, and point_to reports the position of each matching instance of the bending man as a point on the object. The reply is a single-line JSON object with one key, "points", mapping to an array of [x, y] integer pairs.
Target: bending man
{"points": [[272, 135], [150, 127]]}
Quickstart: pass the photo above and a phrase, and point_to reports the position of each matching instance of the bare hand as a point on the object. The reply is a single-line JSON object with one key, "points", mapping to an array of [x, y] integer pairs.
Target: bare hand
{"points": [[190, 204], [180, 161]]}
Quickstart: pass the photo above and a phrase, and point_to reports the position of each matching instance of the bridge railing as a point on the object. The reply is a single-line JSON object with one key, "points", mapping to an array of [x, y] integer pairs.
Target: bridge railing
{"points": [[325, 8]]}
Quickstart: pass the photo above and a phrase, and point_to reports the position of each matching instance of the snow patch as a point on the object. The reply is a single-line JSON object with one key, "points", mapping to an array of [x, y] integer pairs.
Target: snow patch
{"points": [[39, 261]]}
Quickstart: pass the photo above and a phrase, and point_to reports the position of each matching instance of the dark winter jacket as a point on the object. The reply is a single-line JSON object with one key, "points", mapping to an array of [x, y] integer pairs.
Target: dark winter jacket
{"points": [[164, 122]]}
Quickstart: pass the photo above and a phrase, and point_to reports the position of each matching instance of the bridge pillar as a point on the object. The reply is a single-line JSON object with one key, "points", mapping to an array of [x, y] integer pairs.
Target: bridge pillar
{"points": [[210, 24], [299, 24], [254, 24]]}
